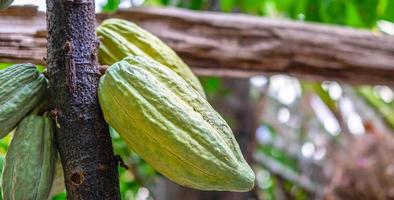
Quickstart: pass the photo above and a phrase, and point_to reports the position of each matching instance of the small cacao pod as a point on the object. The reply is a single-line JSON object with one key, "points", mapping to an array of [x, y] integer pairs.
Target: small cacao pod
{"points": [[22, 88], [30, 160], [5, 4], [172, 127], [120, 38]]}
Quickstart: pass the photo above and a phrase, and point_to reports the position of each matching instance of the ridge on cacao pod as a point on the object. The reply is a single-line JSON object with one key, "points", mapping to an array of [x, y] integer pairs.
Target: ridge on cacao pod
{"points": [[30, 160], [22, 88], [172, 126], [120, 38]]}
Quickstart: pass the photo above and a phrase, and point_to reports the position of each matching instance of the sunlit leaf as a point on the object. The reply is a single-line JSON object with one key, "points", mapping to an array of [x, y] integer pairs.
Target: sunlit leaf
{"points": [[352, 16], [6, 65], [111, 6], [211, 84], [389, 11], [333, 11], [312, 11], [385, 109], [367, 10], [323, 94], [296, 8], [227, 5], [196, 4], [252, 6]]}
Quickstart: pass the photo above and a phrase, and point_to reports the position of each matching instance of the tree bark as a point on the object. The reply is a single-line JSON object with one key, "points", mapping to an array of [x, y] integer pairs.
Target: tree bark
{"points": [[85, 148], [233, 45]]}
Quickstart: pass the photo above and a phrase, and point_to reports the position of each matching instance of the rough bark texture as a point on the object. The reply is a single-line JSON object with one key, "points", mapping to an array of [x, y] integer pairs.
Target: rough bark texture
{"points": [[233, 45], [83, 139]]}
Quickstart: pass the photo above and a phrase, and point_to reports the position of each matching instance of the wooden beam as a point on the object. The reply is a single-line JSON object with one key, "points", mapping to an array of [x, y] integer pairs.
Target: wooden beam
{"points": [[225, 44]]}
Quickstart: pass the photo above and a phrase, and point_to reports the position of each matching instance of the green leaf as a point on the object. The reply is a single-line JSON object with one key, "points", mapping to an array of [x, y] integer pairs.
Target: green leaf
{"points": [[385, 109], [296, 9], [312, 11], [252, 6], [333, 11], [155, 2], [367, 10], [60, 196], [196, 4], [211, 84], [323, 94], [5, 65], [352, 16], [284, 5], [227, 5], [111, 6], [165, 2], [389, 11], [41, 68]]}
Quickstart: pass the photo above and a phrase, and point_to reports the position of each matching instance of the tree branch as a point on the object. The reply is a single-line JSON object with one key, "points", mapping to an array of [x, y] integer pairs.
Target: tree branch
{"points": [[83, 139]]}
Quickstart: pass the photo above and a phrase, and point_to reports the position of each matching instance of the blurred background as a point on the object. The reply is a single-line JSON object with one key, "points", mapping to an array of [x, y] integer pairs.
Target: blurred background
{"points": [[305, 140]]}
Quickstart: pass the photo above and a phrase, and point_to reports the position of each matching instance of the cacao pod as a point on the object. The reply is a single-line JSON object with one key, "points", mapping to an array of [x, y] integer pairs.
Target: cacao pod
{"points": [[58, 180], [5, 4], [22, 88], [30, 160], [120, 38], [172, 127]]}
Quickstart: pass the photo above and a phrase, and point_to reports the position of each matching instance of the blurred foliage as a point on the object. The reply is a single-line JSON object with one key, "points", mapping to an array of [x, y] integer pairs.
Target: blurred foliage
{"points": [[5, 65], [386, 109], [111, 6], [269, 185], [280, 156], [322, 93], [139, 173], [359, 14], [356, 13]]}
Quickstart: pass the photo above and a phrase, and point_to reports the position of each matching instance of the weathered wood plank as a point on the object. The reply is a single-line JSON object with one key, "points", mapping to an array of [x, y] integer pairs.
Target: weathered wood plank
{"points": [[233, 45]]}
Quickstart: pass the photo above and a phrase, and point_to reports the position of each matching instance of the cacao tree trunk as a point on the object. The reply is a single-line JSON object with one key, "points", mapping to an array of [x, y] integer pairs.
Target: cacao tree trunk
{"points": [[85, 148]]}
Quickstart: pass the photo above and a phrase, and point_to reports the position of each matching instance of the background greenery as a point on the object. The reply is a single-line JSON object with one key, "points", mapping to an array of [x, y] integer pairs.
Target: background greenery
{"points": [[367, 14]]}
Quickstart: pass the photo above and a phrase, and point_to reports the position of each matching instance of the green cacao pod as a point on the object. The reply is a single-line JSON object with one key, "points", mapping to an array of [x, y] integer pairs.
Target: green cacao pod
{"points": [[172, 127], [22, 88], [30, 160], [5, 4], [58, 181], [120, 38]]}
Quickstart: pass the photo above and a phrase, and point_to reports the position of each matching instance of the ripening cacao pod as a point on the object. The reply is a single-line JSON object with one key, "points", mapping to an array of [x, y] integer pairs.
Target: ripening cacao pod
{"points": [[30, 160], [120, 38], [22, 88], [5, 4], [171, 126]]}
